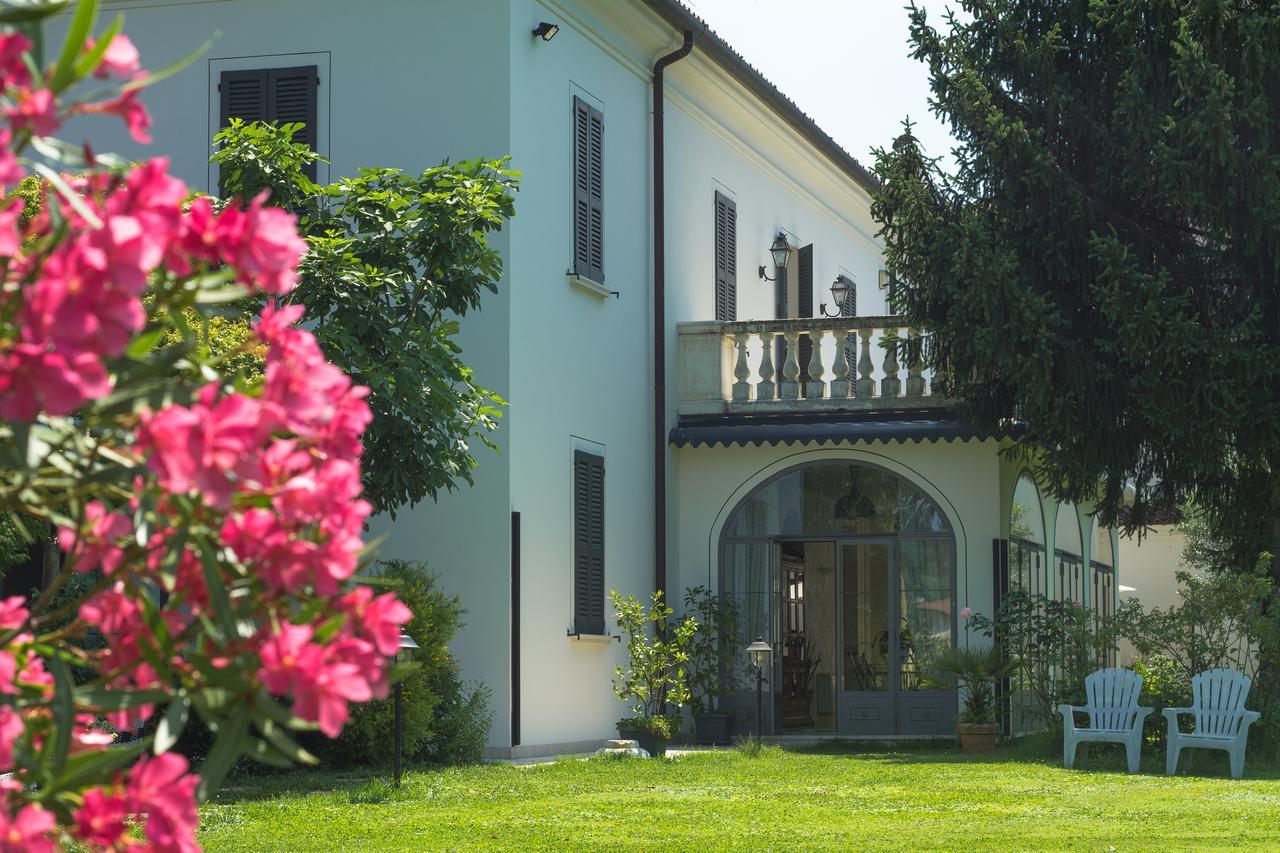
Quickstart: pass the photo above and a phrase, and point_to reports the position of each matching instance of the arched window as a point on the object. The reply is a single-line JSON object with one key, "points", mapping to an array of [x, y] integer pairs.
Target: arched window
{"points": [[1028, 568], [1102, 574], [847, 569], [1068, 550]]}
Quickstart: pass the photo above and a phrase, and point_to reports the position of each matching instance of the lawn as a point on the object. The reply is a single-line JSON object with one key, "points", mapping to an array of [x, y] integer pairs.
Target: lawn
{"points": [[833, 799]]}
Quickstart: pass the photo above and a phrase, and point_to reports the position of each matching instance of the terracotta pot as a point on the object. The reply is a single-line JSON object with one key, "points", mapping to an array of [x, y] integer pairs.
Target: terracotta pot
{"points": [[977, 737]]}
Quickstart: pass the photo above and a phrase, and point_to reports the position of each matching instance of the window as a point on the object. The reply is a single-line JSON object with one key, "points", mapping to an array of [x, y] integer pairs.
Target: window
{"points": [[588, 543], [588, 191], [726, 235], [281, 95]]}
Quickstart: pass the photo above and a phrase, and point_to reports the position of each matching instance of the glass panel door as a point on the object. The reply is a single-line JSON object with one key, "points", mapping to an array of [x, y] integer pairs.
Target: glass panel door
{"points": [[869, 658], [808, 636], [924, 594]]}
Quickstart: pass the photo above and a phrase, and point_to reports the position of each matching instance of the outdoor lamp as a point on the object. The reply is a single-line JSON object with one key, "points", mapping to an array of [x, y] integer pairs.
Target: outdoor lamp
{"points": [[546, 31], [403, 653], [759, 652], [781, 252], [839, 293]]}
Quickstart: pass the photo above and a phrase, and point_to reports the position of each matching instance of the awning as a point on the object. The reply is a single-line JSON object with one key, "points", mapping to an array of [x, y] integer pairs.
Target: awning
{"points": [[885, 427]]}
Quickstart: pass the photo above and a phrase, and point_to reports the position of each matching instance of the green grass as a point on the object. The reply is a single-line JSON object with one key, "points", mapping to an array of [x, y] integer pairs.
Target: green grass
{"points": [[907, 799]]}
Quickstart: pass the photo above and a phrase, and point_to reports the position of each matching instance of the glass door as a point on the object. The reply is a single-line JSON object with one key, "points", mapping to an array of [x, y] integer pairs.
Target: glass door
{"points": [[806, 636], [869, 654], [924, 604]]}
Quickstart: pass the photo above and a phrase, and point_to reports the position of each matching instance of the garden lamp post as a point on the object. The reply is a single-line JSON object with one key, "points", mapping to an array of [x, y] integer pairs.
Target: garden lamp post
{"points": [[407, 647], [759, 652]]}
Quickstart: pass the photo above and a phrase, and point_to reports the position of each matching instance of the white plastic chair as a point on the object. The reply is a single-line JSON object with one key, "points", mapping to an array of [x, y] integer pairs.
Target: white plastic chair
{"points": [[1114, 715], [1217, 703]]}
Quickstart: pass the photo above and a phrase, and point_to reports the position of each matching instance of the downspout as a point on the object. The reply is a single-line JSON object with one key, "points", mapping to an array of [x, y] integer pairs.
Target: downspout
{"points": [[660, 321]]}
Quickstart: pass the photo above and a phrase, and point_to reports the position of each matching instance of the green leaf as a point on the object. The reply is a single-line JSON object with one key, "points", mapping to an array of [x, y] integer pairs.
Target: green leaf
{"points": [[219, 295], [144, 343], [91, 767], [106, 699], [216, 588], [27, 11], [77, 32], [69, 195], [64, 711], [227, 747], [285, 745], [172, 724], [91, 59]]}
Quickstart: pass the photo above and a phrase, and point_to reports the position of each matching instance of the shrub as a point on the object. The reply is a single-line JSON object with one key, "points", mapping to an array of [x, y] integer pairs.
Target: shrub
{"points": [[443, 721], [656, 676]]}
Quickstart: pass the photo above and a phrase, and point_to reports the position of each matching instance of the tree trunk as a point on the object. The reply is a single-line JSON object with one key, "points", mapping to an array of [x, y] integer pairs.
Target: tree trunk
{"points": [[51, 556], [1269, 654]]}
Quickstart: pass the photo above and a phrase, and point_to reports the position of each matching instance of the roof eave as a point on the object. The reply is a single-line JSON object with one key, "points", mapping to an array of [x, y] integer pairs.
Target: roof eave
{"points": [[706, 40]]}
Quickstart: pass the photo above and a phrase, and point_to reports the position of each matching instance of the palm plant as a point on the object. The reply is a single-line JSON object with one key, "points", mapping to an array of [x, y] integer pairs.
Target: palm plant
{"points": [[978, 668]]}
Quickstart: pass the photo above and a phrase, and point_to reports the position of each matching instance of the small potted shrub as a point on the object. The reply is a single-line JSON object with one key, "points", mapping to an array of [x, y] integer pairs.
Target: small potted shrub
{"points": [[711, 655], [978, 668], [655, 678]]}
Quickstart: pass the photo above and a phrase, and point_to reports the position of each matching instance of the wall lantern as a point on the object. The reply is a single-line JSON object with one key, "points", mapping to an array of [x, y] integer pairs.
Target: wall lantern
{"points": [[404, 653], [546, 31], [759, 652], [840, 290], [781, 251]]}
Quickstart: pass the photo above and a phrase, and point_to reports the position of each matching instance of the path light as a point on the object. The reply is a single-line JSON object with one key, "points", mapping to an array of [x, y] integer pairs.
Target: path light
{"points": [[403, 654], [781, 252], [759, 652], [839, 293], [546, 31]]}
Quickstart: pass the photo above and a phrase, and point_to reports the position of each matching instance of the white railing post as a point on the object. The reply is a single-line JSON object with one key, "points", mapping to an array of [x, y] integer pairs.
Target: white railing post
{"points": [[741, 371], [766, 388], [866, 387], [891, 386], [789, 388], [816, 386]]}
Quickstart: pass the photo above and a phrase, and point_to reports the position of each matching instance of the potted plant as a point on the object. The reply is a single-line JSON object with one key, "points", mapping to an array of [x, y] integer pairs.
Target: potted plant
{"points": [[711, 655], [655, 678], [978, 668]]}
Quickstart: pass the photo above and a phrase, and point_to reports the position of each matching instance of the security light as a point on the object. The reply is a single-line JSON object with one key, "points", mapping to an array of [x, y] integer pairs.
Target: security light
{"points": [[546, 31]]}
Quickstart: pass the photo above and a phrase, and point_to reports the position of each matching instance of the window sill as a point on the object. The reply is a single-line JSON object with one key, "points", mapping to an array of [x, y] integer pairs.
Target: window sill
{"points": [[596, 639], [595, 288]]}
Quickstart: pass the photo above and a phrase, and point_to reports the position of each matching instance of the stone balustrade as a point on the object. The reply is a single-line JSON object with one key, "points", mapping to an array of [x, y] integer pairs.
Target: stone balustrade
{"points": [[808, 364]]}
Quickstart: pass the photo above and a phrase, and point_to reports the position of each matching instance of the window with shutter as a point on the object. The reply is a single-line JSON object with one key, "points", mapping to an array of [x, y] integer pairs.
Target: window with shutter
{"points": [[726, 234], [282, 95], [588, 543], [805, 299], [588, 191]]}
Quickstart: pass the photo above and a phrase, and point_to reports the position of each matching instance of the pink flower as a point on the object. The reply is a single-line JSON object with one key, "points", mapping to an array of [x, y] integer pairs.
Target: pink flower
{"points": [[13, 69], [101, 819], [163, 790], [966, 612], [113, 612], [11, 728], [9, 674], [127, 107], [34, 110], [271, 248], [120, 59], [379, 618], [34, 380], [13, 612], [10, 240], [28, 832], [323, 698], [212, 446], [99, 548], [287, 658], [10, 171]]}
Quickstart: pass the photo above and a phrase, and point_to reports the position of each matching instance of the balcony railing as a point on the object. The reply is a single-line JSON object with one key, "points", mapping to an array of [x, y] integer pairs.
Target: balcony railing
{"points": [[808, 364]]}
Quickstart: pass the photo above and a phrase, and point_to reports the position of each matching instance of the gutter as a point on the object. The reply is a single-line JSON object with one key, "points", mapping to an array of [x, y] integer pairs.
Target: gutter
{"points": [[679, 16], [660, 319]]}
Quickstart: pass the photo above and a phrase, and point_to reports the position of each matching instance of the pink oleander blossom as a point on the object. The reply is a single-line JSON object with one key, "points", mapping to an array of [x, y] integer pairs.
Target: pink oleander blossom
{"points": [[11, 728], [161, 789], [27, 832], [34, 110], [35, 380], [966, 612], [102, 819], [99, 548], [13, 68], [380, 619], [120, 59]]}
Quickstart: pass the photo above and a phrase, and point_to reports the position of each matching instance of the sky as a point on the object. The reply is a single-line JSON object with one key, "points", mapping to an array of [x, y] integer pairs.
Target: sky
{"points": [[844, 62]]}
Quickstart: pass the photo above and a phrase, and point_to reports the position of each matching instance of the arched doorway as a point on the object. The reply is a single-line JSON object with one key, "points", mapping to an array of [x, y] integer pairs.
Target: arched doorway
{"points": [[848, 570], [1068, 548]]}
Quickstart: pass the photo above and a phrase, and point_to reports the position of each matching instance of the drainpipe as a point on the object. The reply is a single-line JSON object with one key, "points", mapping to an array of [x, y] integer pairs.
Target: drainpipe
{"points": [[660, 321]]}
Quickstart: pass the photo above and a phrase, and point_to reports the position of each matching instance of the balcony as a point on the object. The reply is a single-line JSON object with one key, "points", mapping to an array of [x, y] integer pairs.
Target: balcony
{"points": [[726, 368]]}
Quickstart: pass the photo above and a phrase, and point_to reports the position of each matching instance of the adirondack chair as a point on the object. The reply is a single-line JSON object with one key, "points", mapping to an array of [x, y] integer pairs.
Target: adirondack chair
{"points": [[1217, 703], [1114, 715]]}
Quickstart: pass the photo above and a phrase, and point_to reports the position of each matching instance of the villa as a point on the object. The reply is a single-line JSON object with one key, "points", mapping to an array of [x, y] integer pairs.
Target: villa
{"points": [[688, 333]]}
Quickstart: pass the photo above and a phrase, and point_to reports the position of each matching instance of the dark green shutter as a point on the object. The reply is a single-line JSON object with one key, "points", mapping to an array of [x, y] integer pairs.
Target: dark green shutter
{"points": [[588, 543], [291, 97], [850, 309], [588, 191], [726, 234], [805, 300], [282, 95]]}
